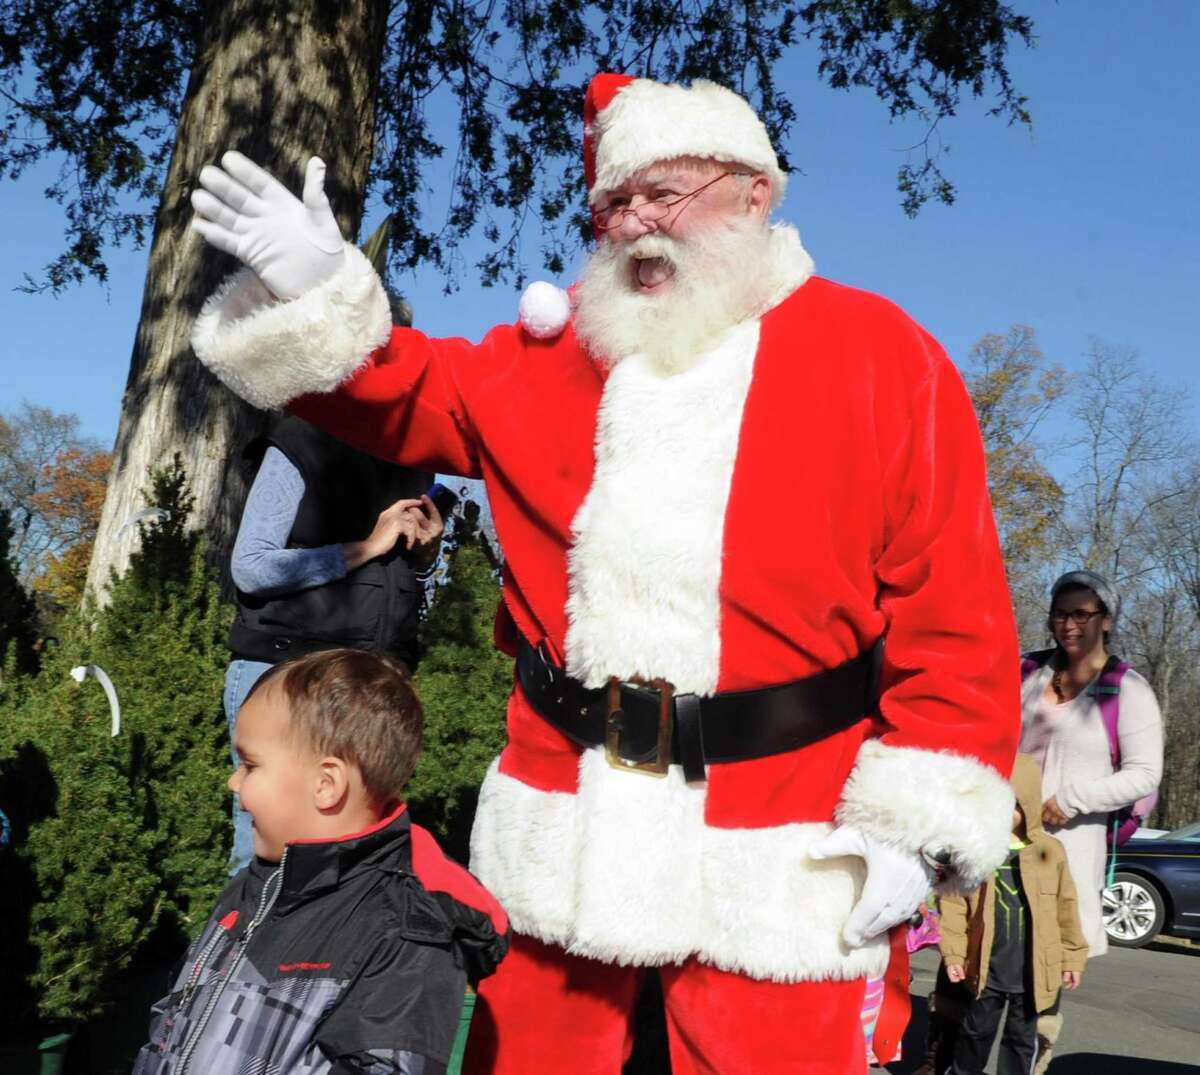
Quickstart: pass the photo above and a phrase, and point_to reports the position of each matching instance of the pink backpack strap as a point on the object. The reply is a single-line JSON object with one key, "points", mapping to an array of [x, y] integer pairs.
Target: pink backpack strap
{"points": [[1123, 823], [1108, 697], [1032, 661]]}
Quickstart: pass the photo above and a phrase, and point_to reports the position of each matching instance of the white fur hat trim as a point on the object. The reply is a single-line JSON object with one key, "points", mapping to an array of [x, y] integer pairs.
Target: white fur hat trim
{"points": [[544, 310], [651, 121]]}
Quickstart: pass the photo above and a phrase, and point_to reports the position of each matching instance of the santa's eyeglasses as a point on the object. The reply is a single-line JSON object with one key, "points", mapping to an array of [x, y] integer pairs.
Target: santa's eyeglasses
{"points": [[612, 215]]}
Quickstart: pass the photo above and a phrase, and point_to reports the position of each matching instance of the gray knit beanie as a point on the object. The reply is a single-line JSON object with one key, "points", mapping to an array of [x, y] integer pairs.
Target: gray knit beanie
{"points": [[1098, 584]]}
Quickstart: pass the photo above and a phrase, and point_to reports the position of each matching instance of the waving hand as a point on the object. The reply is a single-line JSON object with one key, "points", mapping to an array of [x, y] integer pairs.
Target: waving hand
{"points": [[291, 244]]}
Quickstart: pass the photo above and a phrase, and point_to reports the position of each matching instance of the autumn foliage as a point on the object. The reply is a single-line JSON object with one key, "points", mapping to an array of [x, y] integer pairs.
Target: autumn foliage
{"points": [[1014, 389], [52, 485], [69, 504]]}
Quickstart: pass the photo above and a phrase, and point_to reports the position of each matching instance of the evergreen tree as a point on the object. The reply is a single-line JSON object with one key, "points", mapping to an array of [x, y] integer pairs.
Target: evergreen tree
{"points": [[164, 635], [463, 681], [17, 610], [117, 841]]}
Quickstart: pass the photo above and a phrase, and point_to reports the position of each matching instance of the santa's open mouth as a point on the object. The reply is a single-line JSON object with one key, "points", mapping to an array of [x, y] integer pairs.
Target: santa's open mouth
{"points": [[652, 273]]}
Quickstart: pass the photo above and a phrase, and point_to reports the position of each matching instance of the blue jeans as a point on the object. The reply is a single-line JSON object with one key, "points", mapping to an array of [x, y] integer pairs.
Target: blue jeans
{"points": [[240, 676]]}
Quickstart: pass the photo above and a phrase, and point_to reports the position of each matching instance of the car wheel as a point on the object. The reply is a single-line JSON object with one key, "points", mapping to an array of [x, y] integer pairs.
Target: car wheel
{"points": [[1133, 911]]}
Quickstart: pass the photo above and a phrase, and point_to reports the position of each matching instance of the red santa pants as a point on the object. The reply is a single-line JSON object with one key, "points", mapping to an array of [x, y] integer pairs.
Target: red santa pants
{"points": [[550, 1013]]}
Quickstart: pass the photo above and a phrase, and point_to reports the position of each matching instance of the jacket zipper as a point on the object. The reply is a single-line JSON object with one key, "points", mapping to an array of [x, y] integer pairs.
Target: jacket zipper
{"points": [[198, 968], [266, 901]]}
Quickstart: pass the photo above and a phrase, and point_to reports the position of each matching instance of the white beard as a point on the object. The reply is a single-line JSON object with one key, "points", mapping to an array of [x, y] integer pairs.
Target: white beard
{"points": [[711, 292]]}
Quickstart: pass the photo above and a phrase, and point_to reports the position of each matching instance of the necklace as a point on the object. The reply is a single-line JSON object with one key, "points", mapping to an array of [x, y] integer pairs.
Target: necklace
{"points": [[1056, 683]]}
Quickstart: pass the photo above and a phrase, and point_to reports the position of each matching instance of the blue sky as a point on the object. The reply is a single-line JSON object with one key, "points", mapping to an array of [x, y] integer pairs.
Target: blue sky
{"points": [[1087, 225]]}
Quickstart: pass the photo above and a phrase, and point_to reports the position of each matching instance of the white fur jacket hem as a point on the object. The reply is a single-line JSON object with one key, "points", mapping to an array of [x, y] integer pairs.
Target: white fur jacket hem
{"points": [[627, 872]]}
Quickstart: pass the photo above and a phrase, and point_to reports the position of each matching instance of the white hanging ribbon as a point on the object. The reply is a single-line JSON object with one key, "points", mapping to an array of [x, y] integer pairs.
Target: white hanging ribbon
{"points": [[80, 672], [142, 516]]}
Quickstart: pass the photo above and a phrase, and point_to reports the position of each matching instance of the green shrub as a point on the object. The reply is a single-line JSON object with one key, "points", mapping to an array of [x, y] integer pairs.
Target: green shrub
{"points": [[165, 632], [118, 842]]}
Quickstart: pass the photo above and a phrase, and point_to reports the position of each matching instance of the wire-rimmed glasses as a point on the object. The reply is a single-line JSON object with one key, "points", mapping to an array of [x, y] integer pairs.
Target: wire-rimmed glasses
{"points": [[612, 216]]}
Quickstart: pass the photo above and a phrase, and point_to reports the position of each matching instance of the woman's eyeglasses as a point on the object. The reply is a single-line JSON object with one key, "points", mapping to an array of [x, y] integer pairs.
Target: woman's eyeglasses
{"points": [[1078, 616]]}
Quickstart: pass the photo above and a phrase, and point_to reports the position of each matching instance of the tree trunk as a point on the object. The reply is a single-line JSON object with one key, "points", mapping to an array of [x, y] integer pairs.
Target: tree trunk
{"points": [[279, 82]]}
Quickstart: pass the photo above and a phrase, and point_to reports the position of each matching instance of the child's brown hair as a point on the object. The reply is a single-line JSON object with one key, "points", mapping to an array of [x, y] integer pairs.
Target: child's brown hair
{"points": [[357, 706]]}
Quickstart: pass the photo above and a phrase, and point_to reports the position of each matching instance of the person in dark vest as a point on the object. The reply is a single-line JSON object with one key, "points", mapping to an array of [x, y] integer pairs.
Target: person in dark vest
{"points": [[331, 551]]}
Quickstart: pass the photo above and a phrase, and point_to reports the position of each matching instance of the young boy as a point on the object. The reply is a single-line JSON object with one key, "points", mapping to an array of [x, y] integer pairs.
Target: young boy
{"points": [[1014, 941], [347, 943]]}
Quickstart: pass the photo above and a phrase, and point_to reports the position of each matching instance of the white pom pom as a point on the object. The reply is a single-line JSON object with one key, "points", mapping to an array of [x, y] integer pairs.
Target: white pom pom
{"points": [[544, 310]]}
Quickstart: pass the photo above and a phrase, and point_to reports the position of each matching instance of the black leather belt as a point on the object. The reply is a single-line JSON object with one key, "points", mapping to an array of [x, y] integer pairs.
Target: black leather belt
{"points": [[646, 726]]}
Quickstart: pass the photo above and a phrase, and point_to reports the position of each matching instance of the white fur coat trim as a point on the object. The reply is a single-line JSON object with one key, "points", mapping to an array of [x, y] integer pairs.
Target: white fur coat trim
{"points": [[270, 352], [644, 569], [789, 264], [627, 872], [932, 799], [651, 121]]}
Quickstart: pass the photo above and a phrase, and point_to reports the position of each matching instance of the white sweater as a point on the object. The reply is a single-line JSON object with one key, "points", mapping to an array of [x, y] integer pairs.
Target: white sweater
{"points": [[1071, 748]]}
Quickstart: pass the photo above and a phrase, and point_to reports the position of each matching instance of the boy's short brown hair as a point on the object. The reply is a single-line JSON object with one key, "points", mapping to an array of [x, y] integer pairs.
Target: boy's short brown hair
{"points": [[357, 706]]}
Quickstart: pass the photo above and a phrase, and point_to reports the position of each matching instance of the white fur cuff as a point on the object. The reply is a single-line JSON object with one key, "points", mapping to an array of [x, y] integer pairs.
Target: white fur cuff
{"points": [[930, 799], [271, 352]]}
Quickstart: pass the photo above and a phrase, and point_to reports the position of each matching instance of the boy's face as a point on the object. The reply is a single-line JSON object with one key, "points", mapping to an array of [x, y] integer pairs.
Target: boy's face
{"points": [[278, 778]]}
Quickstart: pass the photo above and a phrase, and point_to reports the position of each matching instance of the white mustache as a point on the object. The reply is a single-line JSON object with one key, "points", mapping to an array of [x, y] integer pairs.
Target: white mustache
{"points": [[614, 319], [653, 246]]}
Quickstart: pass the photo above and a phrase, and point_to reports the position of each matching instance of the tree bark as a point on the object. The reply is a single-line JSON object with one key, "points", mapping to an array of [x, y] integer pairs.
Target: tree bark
{"points": [[278, 81]]}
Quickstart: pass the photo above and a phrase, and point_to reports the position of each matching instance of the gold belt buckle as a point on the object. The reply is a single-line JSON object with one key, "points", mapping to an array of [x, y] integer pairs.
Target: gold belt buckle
{"points": [[659, 765]]}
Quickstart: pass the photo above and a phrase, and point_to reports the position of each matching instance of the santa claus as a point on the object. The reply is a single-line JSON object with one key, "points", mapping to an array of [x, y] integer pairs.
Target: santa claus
{"points": [[737, 753]]}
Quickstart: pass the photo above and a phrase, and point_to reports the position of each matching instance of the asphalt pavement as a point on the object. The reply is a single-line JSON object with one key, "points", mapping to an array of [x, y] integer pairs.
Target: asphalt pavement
{"points": [[1136, 1013]]}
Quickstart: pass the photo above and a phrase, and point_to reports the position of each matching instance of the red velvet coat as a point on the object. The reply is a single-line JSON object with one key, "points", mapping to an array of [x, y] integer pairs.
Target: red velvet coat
{"points": [[846, 498]]}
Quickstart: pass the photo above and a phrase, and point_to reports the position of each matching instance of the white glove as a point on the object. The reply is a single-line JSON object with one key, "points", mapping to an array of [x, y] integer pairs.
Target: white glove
{"points": [[291, 245], [897, 882]]}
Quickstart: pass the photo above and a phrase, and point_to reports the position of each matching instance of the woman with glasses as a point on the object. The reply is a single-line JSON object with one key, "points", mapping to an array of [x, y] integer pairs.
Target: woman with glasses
{"points": [[1063, 728]]}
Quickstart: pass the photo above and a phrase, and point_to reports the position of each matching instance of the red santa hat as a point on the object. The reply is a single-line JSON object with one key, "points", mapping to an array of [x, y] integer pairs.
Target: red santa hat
{"points": [[629, 123]]}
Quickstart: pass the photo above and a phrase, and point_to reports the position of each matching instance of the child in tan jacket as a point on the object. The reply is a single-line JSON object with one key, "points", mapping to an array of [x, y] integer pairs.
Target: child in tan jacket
{"points": [[1015, 941]]}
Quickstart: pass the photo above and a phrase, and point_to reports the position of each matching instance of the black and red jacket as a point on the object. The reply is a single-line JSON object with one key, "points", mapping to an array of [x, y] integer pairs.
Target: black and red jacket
{"points": [[349, 956]]}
